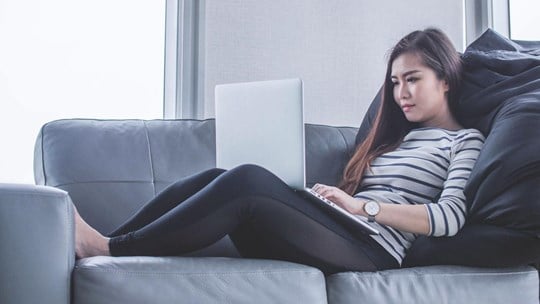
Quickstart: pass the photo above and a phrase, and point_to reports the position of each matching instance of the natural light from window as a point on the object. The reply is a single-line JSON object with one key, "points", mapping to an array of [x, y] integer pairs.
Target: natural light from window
{"points": [[75, 59], [525, 19]]}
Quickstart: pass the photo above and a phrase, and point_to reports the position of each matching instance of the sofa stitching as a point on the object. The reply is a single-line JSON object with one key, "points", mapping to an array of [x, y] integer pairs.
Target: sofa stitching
{"points": [[102, 181], [69, 222], [43, 154], [344, 140], [197, 273], [114, 181], [150, 157], [31, 193], [122, 119], [439, 274], [334, 126]]}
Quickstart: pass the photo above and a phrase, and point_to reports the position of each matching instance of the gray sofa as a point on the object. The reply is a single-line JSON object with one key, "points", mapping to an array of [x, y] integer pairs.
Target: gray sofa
{"points": [[109, 168]]}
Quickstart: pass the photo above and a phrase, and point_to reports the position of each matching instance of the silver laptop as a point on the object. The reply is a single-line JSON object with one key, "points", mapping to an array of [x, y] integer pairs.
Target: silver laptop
{"points": [[262, 123]]}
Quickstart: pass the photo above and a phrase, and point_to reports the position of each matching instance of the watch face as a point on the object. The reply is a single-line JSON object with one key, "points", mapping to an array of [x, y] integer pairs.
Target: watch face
{"points": [[371, 208]]}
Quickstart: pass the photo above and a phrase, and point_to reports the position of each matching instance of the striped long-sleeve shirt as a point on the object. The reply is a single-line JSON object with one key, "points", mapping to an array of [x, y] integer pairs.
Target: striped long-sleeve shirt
{"points": [[430, 167]]}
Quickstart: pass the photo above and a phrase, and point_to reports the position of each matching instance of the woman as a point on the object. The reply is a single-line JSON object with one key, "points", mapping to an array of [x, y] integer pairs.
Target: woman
{"points": [[407, 177]]}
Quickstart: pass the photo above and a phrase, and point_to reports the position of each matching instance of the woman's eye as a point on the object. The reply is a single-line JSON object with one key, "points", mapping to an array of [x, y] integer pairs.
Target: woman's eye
{"points": [[395, 83], [412, 79]]}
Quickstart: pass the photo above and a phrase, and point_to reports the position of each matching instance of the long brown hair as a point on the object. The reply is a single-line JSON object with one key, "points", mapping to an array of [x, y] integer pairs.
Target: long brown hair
{"points": [[391, 125]]}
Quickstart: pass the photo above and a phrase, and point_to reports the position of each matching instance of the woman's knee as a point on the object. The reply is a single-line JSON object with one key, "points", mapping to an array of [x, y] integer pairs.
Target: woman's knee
{"points": [[252, 175], [250, 171], [215, 171]]}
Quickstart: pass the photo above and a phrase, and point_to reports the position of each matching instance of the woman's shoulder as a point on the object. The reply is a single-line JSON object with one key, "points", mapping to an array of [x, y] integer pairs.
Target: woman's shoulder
{"points": [[468, 139], [435, 132], [455, 138], [470, 133]]}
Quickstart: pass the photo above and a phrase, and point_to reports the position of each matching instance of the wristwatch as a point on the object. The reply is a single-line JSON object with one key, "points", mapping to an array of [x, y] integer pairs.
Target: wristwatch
{"points": [[371, 208]]}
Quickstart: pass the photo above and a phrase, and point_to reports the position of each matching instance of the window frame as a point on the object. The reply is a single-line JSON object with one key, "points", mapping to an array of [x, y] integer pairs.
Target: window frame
{"points": [[184, 41], [483, 14]]}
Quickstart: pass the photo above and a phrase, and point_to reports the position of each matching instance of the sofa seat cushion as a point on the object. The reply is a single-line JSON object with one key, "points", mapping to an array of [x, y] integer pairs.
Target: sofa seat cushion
{"points": [[195, 280], [436, 284]]}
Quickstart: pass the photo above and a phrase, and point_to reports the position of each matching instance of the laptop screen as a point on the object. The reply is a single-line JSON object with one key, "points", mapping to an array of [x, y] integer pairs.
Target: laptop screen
{"points": [[262, 123]]}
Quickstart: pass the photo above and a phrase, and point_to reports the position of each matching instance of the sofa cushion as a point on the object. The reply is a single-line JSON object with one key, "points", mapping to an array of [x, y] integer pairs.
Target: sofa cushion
{"points": [[180, 148], [37, 246], [111, 167], [195, 280], [328, 149], [435, 284]]}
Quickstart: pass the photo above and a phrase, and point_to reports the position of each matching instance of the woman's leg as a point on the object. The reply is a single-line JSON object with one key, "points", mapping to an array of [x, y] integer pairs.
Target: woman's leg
{"points": [[265, 218], [167, 199], [88, 242]]}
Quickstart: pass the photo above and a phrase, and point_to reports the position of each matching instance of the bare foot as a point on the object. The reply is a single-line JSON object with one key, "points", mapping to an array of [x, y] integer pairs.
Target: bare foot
{"points": [[88, 241]]}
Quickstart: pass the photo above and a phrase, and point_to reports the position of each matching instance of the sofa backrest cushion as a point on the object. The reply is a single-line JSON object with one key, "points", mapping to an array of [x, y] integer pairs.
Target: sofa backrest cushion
{"points": [[111, 167]]}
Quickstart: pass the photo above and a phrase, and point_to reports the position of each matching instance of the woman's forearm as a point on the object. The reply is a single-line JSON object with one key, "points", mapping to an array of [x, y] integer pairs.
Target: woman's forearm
{"points": [[410, 218]]}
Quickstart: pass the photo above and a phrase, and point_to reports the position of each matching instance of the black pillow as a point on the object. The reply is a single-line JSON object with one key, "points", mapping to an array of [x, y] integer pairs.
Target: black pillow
{"points": [[501, 98], [369, 118], [478, 246]]}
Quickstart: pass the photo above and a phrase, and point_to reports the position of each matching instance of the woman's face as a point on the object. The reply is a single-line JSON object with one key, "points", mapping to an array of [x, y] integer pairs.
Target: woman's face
{"points": [[419, 93]]}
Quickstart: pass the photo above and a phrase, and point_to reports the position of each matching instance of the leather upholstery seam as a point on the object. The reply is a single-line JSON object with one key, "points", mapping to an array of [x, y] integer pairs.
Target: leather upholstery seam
{"points": [[150, 157], [138, 273], [32, 193], [43, 155], [344, 140], [106, 182], [442, 274], [70, 223]]}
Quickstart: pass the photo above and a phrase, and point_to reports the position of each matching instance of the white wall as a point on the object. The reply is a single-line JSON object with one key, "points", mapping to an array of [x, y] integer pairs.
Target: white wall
{"points": [[66, 59], [337, 47], [104, 59]]}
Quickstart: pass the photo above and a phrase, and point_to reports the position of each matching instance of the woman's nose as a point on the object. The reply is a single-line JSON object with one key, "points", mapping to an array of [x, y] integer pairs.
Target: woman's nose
{"points": [[403, 92]]}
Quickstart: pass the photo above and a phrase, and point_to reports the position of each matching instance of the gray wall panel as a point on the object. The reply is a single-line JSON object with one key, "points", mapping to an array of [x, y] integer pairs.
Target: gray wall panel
{"points": [[337, 47]]}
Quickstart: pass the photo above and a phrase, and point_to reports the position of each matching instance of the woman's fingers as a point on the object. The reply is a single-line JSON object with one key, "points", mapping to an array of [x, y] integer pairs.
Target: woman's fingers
{"points": [[318, 187], [323, 190]]}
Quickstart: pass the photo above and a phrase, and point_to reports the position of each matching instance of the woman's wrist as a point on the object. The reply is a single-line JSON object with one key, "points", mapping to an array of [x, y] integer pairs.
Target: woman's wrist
{"points": [[359, 207]]}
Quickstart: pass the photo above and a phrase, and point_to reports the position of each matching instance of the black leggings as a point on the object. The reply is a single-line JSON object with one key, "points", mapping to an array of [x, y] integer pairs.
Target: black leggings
{"points": [[264, 217]]}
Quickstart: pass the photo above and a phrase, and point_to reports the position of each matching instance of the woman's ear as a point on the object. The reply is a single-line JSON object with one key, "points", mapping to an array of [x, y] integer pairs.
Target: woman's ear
{"points": [[446, 86]]}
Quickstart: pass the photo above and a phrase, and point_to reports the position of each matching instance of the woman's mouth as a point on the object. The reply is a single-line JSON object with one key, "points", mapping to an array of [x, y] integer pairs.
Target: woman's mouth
{"points": [[406, 108]]}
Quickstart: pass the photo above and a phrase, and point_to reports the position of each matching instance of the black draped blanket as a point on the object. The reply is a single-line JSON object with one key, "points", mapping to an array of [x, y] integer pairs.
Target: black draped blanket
{"points": [[501, 98]]}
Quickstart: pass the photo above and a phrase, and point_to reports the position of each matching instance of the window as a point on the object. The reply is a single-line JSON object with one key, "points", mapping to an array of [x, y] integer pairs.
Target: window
{"points": [[75, 59], [516, 19], [524, 22]]}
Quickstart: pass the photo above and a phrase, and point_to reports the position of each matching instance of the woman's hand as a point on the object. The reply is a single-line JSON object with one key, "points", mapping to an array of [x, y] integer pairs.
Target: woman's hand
{"points": [[340, 198], [410, 218]]}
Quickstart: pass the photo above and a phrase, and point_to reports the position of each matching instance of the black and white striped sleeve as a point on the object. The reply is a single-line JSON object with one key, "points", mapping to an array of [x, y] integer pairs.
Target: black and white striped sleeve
{"points": [[447, 215]]}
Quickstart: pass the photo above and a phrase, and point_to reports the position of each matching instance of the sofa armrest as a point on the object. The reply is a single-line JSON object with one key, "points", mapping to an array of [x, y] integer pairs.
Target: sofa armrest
{"points": [[36, 244]]}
